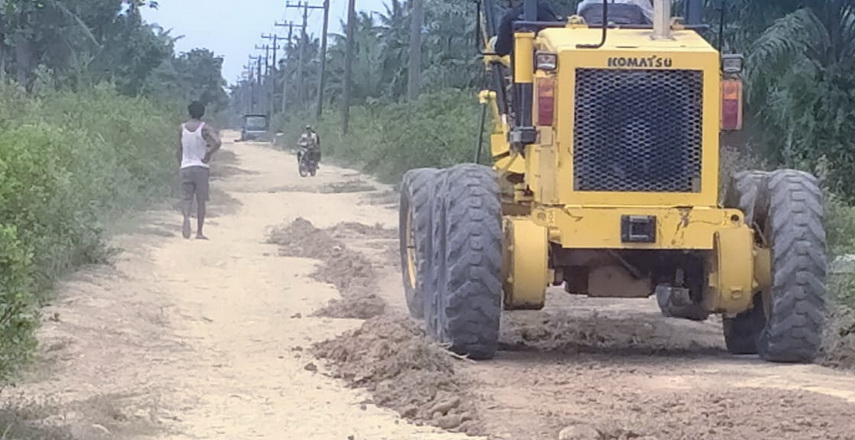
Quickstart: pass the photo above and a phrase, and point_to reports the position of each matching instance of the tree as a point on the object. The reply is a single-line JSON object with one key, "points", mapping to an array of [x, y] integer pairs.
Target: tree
{"points": [[802, 82]]}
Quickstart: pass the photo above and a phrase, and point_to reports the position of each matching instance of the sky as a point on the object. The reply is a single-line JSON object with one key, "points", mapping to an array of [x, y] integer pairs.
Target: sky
{"points": [[232, 29]]}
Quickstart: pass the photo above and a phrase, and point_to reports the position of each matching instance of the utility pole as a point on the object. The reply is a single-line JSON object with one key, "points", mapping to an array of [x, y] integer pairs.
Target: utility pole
{"points": [[272, 67], [264, 80], [258, 76], [290, 26], [319, 110], [348, 66], [254, 79], [415, 62], [247, 88], [303, 42]]}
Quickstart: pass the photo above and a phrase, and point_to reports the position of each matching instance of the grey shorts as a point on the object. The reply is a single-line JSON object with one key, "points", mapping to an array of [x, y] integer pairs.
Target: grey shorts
{"points": [[194, 182]]}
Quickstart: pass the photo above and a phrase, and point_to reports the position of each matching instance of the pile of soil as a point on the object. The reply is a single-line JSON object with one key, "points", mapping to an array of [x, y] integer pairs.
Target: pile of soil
{"points": [[393, 360], [571, 333], [839, 343], [360, 231], [350, 272], [719, 415]]}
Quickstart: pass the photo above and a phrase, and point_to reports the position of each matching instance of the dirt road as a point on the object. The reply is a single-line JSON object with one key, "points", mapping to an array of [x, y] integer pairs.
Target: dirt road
{"points": [[187, 339]]}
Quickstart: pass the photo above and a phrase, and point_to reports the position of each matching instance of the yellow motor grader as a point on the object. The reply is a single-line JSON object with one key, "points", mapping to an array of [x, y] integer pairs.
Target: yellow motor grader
{"points": [[605, 179]]}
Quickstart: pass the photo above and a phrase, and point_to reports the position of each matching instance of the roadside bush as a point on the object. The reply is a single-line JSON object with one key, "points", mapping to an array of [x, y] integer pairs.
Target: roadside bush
{"points": [[69, 163]]}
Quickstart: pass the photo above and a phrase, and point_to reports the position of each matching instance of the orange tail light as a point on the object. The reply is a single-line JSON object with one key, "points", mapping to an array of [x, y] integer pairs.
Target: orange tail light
{"points": [[731, 105], [545, 101]]}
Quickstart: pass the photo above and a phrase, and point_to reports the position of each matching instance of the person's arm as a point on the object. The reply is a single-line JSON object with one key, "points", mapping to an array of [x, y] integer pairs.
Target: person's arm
{"points": [[213, 141], [505, 33], [180, 145]]}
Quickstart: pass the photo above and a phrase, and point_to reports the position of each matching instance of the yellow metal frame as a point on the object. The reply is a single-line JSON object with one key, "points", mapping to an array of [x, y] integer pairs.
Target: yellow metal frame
{"points": [[686, 51], [598, 227], [573, 219], [526, 266]]}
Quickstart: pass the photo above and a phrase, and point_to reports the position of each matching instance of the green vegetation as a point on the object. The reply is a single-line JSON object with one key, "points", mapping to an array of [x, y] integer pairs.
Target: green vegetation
{"points": [[68, 162], [387, 140], [90, 97]]}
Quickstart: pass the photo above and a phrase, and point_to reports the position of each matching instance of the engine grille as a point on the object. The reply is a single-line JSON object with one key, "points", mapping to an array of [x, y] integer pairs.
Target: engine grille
{"points": [[638, 130]]}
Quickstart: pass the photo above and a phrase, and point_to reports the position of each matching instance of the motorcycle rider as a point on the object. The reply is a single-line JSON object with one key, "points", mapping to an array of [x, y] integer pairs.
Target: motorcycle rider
{"points": [[311, 142]]}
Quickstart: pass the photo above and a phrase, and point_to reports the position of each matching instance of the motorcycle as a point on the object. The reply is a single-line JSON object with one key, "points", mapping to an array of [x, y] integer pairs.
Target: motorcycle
{"points": [[307, 165]]}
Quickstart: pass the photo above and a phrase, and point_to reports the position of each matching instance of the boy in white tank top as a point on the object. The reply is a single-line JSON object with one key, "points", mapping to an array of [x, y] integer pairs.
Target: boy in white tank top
{"points": [[196, 144]]}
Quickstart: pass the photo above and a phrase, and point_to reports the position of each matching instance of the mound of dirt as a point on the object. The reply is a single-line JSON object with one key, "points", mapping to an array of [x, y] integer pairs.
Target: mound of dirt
{"points": [[839, 343], [569, 332], [350, 272], [358, 230], [716, 415], [403, 371]]}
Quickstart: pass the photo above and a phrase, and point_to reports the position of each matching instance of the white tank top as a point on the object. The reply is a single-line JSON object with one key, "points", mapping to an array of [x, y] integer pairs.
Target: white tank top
{"points": [[193, 147]]}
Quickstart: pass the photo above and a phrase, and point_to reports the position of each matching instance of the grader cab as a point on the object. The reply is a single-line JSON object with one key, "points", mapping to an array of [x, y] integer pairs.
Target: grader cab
{"points": [[605, 179]]}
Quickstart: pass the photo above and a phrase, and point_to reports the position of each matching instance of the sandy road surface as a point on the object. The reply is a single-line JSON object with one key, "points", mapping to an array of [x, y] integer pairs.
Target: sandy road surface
{"points": [[188, 339], [209, 340]]}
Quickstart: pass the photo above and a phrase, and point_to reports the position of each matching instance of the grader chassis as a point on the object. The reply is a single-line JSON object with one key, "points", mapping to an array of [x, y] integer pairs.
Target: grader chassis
{"points": [[605, 178]]}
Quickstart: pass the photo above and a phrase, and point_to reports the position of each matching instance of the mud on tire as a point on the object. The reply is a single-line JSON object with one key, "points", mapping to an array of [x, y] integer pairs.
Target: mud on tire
{"points": [[788, 210], [414, 227], [464, 307]]}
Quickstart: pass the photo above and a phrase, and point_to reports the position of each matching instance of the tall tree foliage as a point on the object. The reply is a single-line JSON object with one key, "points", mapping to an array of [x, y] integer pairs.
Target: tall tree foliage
{"points": [[381, 52], [802, 76], [84, 42]]}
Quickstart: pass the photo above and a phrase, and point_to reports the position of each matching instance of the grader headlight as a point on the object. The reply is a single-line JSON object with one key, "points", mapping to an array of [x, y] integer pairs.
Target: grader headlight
{"points": [[546, 61], [732, 63]]}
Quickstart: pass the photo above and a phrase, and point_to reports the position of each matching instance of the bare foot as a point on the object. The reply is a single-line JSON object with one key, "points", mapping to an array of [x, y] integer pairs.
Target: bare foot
{"points": [[185, 229], [201, 237]]}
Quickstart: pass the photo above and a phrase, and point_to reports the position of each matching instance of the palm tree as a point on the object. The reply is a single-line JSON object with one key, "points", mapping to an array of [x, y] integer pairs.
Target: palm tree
{"points": [[800, 72]]}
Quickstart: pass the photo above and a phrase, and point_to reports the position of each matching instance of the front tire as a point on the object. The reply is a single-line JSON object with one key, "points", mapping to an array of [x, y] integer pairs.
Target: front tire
{"points": [[414, 229], [465, 310]]}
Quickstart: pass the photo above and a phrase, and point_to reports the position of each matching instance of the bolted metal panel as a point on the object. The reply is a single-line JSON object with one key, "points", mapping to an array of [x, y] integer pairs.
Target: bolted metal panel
{"points": [[638, 130]]}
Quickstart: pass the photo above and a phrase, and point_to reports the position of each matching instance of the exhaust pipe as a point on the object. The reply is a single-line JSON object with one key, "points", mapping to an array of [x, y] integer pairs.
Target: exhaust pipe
{"points": [[661, 19]]}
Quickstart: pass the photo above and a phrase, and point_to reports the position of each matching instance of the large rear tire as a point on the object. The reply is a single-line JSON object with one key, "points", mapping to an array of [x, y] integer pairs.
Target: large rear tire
{"points": [[786, 323], [414, 229], [464, 309], [794, 229]]}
